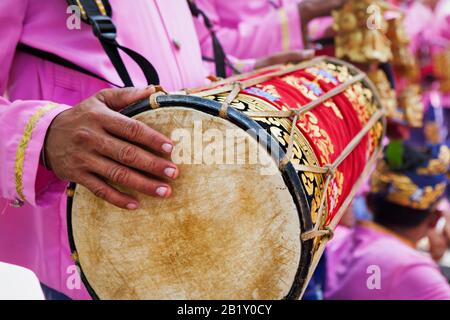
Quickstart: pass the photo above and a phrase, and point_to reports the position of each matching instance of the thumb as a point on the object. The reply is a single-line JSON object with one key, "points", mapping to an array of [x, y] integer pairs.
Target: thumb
{"points": [[296, 56], [285, 57], [117, 99]]}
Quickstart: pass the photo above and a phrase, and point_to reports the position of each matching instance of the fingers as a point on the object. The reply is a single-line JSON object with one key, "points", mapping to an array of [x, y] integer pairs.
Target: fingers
{"points": [[285, 57], [136, 157], [129, 178], [302, 55], [117, 99], [137, 133], [104, 191], [294, 56]]}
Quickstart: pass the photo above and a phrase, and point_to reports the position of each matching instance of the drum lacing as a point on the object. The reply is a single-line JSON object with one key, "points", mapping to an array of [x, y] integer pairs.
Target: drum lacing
{"points": [[154, 104], [329, 169], [326, 233], [237, 87], [226, 85]]}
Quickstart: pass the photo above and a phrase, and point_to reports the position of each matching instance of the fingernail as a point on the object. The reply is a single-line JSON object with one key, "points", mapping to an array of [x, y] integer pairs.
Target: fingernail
{"points": [[170, 172], [167, 147], [161, 191], [132, 206]]}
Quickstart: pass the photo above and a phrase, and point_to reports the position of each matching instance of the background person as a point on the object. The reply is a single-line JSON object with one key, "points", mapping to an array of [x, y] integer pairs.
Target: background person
{"points": [[378, 259]]}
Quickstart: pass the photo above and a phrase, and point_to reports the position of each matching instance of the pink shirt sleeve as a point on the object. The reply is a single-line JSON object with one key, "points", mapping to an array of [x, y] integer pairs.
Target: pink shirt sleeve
{"points": [[420, 282], [262, 30], [23, 124]]}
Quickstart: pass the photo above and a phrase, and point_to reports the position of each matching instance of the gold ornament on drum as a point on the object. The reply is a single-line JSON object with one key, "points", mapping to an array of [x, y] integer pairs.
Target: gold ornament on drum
{"points": [[361, 32]]}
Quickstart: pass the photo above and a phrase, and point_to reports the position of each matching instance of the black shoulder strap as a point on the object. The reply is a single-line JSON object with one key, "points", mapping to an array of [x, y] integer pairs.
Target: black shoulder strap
{"points": [[60, 61], [98, 14], [219, 53]]}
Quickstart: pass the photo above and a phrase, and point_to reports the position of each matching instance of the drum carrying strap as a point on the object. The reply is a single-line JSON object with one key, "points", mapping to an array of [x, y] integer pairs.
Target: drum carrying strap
{"points": [[219, 53], [98, 14]]}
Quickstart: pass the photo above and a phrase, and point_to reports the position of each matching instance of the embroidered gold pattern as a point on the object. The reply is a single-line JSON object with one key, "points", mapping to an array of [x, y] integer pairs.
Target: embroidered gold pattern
{"points": [[308, 130], [23, 145]]}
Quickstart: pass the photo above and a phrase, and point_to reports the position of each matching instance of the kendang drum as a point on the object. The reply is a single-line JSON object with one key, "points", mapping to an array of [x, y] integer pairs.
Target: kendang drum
{"points": [[257, 198]]}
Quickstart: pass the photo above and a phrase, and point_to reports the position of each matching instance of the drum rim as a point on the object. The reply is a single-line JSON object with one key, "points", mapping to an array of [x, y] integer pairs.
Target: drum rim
{"points": [[238, 118]]}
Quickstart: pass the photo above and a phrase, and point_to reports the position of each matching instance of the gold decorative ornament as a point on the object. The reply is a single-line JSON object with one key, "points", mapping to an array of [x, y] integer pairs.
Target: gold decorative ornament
{"points": [[441, 69], [361, 32], [410, 101], [403, 59], [388, 95]]}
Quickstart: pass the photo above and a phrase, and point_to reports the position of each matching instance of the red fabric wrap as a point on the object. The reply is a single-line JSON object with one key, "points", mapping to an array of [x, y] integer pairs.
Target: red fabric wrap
{"points": [[330, 134]]}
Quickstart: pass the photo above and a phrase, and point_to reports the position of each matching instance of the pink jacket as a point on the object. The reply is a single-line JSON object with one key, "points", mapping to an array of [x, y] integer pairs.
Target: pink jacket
{"points": [[34, 235], [251, 28]]}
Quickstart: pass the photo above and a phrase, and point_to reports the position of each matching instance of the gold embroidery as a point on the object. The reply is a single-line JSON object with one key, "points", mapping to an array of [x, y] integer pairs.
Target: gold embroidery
{"points": [[299, 84], [23, 145], [330, 104], [320, 138], [270, 89], [285, 41]]}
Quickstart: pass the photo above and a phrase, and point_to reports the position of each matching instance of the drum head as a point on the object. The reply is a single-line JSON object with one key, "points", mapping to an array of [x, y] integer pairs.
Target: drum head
{"points": [[227, 232]]}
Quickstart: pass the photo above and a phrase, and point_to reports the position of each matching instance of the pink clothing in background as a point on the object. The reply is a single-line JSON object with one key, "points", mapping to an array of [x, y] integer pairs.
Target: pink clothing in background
{"points": [[35, 235], [431, 30], [355, 257], [251, 28]]}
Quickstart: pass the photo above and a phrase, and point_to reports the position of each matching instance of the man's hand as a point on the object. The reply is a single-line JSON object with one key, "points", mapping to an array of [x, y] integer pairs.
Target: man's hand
{"points": [[92, 143], [285, 57], [311, 9]]}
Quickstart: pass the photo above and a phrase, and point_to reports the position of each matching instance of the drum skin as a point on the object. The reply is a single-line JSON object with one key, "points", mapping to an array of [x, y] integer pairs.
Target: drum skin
{"points": [[110, 269], [290, 182]]}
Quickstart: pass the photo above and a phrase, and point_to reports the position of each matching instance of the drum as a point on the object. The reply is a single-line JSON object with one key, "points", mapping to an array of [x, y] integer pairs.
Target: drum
{"points": [[257, 198]]}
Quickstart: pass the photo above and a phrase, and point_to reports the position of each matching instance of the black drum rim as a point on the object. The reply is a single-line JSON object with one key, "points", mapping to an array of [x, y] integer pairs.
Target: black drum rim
{"points": [[289, 174]]}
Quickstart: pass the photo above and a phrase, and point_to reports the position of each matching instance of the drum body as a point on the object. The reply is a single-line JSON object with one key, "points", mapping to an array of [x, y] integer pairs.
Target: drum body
{"points": [[234, 227]]}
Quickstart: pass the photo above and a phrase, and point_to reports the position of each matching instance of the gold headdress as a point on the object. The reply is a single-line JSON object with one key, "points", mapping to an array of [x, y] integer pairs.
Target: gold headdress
{"points": [[418, 187]]}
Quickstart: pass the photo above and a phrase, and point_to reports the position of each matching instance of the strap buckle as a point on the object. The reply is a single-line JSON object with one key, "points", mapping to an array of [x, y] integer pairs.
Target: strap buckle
{"points": [[103, 27]]}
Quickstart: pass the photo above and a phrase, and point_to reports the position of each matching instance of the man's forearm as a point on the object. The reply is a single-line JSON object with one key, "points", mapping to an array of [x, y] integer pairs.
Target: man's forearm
{"points": [[311, 9]]}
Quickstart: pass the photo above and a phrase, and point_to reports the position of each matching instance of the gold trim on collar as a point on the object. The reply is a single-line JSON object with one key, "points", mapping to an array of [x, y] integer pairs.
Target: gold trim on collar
{"points": [[23, 145], [285, 39]]}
